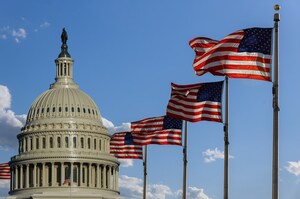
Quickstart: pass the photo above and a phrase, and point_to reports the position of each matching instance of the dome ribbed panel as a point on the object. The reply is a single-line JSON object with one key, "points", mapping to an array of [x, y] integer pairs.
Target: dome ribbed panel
{"points": [[63, 103]]}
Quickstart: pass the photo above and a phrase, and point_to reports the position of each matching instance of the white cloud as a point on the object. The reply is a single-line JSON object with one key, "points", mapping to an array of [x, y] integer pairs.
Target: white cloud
{"points": [[213, 155], [113, 129], [294, 168], [132, 188], [126, 162], [19, 34], [45, 24], [10, 123]]}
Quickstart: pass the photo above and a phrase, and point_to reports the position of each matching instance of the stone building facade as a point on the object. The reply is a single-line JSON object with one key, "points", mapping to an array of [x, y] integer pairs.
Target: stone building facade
{"points": [[64, 147]]}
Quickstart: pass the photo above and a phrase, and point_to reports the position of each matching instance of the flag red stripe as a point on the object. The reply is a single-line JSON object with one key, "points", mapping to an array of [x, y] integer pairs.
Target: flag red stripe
{"points": [[217, 56]]}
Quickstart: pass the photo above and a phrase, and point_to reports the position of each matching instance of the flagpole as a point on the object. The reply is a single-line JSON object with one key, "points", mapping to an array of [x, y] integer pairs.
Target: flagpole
{"points": [[184, 161], [226, 142], [275, 108], [145, 173]]}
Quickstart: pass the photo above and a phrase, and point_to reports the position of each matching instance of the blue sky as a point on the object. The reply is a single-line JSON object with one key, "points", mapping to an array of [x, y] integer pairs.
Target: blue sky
{"points": [[126, 55]]}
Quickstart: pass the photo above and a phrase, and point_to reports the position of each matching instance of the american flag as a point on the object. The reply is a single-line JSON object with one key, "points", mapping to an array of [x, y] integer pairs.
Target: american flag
{"points": [[67, 182], [163, 130], [242, 54], [196, 102], [4, 171], [121, 146]]}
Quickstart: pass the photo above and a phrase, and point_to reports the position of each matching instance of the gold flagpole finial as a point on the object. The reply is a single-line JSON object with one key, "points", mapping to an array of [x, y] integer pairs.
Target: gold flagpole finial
{"points": [[277, 7]]}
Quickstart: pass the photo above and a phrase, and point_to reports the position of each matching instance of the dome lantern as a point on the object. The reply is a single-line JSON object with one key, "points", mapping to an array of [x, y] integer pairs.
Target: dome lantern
{"points": [[64, 65]]}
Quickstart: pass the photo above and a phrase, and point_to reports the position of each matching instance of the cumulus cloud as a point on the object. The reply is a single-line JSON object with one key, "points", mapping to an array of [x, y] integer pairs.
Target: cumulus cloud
{"points": [[132, 188], [294, 168], [213, 155], [45, 24], [10, 123], [113, 129], [19, 34]]}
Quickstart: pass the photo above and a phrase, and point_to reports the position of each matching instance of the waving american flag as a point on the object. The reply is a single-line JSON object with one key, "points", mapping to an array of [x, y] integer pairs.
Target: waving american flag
{"points": [[242, 54]]}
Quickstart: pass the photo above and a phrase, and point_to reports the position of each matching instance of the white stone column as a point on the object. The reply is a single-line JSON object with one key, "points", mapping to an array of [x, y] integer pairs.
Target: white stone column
{"points": [[90, 176], [117, 178], [21, 176], [34, 175], [104, 177], [27, 176], [71, 173], [17, 177], [98, 175], [43, 175], [81, 176], [53, 179], [62, 176], [109, 177]]}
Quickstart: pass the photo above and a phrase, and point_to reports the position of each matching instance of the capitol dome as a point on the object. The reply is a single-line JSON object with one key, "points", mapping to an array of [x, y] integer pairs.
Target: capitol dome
{"points": [[64, 149], [64, 103]]}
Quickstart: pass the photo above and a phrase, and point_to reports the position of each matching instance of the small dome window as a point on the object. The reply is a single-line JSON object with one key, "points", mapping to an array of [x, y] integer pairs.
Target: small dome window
{"points": [[89, 111], [58, 142], [78, 110], [72, 109], [53, 109], [66, 109], [51, 142], [89, 143], [74, 142], [83, 110], [82, 142], [67, 142], [38, 111], [59, 109], [42, 110], [44, 143], [48, 109]]}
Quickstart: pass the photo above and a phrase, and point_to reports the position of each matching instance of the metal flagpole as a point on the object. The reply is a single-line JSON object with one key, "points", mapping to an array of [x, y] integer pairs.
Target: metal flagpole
{"points": [[184, 161], [226, 142], [275, 108], [145, 173]]}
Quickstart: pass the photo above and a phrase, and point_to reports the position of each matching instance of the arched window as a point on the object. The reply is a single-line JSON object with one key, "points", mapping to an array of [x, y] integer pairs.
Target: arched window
{"points": [[89, 143], [44, 142], [100, 144], [95, 144], [31, 143], [51, 142], [26, 144], [37, 143], [82, 142], [74, 142], [58, 142], [67, 142]]}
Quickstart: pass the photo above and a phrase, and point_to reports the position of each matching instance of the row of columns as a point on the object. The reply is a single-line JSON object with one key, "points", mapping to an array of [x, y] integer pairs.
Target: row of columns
{"points": [[30, 143], [57, 174]]}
